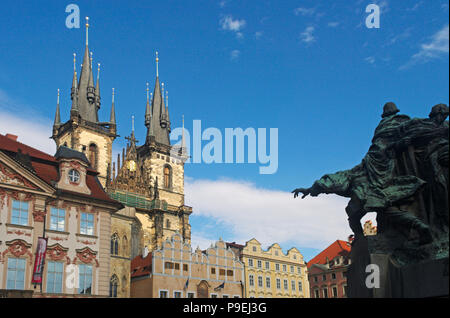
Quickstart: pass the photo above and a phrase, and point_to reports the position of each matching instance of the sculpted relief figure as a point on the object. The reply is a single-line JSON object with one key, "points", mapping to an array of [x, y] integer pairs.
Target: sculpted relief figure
{"points": [[388, 180]]}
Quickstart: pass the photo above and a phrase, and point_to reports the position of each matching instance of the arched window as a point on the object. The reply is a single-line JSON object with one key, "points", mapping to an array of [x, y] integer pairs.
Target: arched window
{"points": [[124, 246], [167, 176], [93, 155], [113, 285], [115, 244]]}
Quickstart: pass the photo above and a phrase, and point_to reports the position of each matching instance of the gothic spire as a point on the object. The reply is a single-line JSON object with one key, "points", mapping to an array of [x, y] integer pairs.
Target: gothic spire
{"points": [[97, 89], [112, 119], [57, 122], [86, 90], [74, 90], [157, 127]]}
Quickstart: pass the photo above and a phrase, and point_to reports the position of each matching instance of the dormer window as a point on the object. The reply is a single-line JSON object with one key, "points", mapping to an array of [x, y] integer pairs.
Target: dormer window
{"points": [[74, 176]]}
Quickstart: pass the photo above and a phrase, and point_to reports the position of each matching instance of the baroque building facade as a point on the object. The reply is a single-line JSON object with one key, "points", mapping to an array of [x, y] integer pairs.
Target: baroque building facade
{"points": [[271, 273], [328, 271], [58, 198]]}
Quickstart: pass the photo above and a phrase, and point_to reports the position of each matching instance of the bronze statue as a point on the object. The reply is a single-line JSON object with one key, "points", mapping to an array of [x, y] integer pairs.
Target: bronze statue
{"points": [[389, 179]]}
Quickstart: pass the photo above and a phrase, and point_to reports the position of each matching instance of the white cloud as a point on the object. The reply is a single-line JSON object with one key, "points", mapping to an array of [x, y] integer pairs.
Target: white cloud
{"points": [[268, 215], [307, 36], [235, 54], [370, 60], [333, 24], [32, 129], [304, 11], [229, 24], [435, 48], [258, 34]]}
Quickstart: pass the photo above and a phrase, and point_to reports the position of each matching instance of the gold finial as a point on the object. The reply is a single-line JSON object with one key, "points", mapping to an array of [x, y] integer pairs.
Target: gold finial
{"points": [[98, 71], [87, 30], [58, 97], [74, 62], [113, 95], [147, 91], [157, 61]]}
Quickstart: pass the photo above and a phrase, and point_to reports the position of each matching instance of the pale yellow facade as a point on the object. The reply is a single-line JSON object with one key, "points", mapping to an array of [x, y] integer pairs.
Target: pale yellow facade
{"points": [[272, 274]]}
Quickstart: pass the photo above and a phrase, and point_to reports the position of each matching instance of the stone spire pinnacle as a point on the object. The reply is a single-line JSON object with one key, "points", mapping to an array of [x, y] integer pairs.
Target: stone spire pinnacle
{"points": [[97, 89], [57, 122], [112, 119], [157, 62]]}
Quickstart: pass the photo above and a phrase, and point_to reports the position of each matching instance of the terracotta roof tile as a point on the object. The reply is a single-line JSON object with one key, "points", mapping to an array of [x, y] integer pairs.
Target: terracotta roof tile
{"points": [[141, 266], [337, 248]]}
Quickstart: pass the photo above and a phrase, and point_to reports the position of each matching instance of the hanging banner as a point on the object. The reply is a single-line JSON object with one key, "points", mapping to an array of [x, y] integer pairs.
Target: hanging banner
{"points": [[39, 260]]}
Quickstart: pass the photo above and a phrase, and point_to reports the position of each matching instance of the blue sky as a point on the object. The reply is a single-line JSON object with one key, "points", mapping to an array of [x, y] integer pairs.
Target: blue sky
{"points": [[309, 68]]}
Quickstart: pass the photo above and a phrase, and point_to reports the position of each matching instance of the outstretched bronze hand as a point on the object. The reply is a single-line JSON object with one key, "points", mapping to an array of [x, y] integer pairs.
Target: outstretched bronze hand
{"points": [[305, 191]]}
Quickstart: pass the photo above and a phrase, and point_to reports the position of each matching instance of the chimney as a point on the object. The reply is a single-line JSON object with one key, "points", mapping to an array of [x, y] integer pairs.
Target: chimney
{"points": [[12, 137]]}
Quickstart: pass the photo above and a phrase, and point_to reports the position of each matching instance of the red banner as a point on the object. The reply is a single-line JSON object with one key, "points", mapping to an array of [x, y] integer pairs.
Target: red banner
{"points": [[39, 260]]}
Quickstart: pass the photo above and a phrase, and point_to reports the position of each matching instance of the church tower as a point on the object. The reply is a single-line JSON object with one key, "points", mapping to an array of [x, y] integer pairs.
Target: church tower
{"points": [[83, 131], [150, 177]]}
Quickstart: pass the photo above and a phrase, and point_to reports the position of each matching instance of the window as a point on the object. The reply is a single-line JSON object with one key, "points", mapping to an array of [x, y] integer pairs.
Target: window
{"points": [[277, 267], [225, 296], [325, 293], [337, 261], [113, 284], [221, 272], [185, 267], [293, 285], [168, 265], [300, 287], [295, 256], [260, 281], [168, 223], [284, 267], [316, 279], [213, 270], [292, 269], [335, 292], [93, 155], [229, 273], [278, 283], [177, 266], [177, 294], [57, 219], [213, 295], [324, 277], [254, 248], [74, 176], [276, 253], [19, 212], [236, 296], [167, 177], [163, 294], [250, 262], [267, 282], [333, 275], [87, 224], [85, 279], [251, 281], [16, 273], [259, 264], [115, 244], [267, 265], [285, 284], [299, 270], [54, 277], [190, 295], [316, 293]]}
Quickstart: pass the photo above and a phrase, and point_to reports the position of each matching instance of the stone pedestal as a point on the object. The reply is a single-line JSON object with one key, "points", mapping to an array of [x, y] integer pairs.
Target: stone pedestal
{"points": [[417, 278]]}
